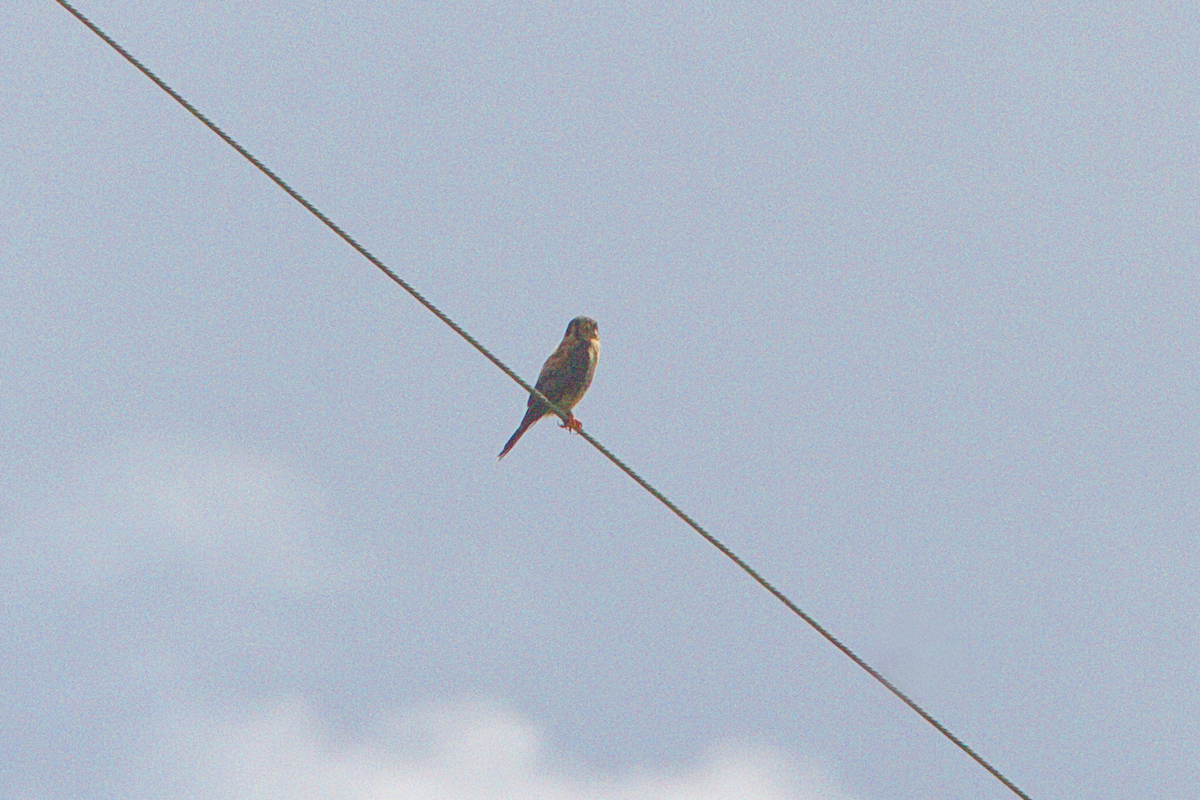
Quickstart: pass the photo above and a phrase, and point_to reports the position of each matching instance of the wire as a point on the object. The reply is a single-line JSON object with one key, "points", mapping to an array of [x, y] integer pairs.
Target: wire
{"points": [[732, 556]]}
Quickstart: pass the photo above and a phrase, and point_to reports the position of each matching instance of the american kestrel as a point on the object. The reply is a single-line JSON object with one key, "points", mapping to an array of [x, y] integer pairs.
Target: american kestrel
{"points": [[564, 378]]}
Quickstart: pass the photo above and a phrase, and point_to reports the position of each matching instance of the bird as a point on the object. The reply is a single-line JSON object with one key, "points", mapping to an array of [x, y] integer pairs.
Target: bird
{"points": [[564, 378]]}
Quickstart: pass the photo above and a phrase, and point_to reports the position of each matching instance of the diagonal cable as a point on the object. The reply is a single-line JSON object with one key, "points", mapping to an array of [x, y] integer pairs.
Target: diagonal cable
{"points": [[732, 556]]}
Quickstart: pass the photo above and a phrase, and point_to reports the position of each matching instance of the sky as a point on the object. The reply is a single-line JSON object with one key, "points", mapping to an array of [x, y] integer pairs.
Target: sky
{"points": [[900, 301]]}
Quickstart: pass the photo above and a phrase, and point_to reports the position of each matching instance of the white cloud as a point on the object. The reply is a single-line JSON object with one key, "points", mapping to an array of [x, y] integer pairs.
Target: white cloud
{"points": [[211, 509], [464, 750]]}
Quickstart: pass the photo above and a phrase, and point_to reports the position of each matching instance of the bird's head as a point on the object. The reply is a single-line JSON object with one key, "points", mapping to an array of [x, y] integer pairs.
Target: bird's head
{"points": [[584, 328]]}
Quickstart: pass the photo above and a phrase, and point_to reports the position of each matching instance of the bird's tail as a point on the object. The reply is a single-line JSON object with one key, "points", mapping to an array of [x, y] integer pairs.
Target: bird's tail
{"points": [[531, 416]]}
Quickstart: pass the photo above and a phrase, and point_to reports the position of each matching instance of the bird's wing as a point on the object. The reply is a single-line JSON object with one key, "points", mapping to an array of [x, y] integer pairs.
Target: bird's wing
{"points": [[566, 371]]}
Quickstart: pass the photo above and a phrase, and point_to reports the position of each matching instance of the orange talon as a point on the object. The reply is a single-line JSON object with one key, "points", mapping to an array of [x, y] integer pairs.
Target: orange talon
{"points": [[572, 424]]}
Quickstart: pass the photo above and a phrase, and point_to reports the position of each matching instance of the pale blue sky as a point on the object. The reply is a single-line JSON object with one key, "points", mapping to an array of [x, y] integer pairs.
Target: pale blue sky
{"points": [[900, 301]]}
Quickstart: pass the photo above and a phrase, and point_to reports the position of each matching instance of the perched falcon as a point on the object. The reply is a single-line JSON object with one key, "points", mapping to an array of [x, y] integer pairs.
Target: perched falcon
{"points": [[566, 375]]}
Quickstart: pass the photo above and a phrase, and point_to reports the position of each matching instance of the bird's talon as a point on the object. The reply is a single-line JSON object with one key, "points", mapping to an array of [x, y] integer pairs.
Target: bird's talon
{"points": [[572, 424]]}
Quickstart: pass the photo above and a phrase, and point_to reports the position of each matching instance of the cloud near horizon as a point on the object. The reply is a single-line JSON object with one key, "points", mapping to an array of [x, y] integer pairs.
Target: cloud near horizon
{"points": [[234, 518], [210, 509], [465, 749]]}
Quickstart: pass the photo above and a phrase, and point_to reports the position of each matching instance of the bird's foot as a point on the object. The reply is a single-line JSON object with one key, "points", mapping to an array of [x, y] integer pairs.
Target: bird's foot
{"points": [[572, 424]]}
